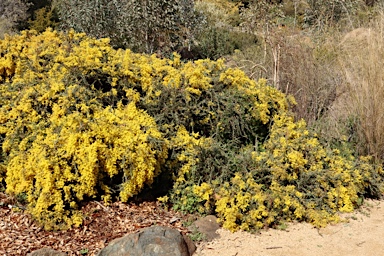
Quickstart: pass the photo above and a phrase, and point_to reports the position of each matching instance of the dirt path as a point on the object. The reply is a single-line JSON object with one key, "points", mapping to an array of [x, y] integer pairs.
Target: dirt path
{"points": [[363, 235]]}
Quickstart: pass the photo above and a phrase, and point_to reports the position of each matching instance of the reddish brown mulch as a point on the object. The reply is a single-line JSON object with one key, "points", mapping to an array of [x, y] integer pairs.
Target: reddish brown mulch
{"points": [[19, 235]]}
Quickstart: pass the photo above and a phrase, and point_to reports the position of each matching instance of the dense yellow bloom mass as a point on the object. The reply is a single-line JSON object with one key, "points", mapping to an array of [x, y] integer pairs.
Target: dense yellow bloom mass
{"points": [[63, 143], [81, 120], [78, 116], [73, 153], [305, 182]]}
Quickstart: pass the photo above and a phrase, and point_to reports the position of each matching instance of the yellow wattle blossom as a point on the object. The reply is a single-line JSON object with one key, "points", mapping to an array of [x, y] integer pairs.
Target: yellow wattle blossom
{"points": [[80, 120], [303, 181]]}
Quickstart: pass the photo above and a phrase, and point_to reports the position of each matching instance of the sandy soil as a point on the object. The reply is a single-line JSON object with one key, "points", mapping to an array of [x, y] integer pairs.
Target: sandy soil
{"points": [[362, 235]]}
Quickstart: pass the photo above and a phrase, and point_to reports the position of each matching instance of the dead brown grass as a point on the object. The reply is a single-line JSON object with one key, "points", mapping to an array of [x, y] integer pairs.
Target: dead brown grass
{"points": [[335, 74], [362, 61], [299, 63]]}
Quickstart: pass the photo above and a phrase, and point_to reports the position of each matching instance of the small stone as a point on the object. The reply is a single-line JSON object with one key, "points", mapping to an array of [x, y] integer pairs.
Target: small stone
{"points": [[207, 226]]}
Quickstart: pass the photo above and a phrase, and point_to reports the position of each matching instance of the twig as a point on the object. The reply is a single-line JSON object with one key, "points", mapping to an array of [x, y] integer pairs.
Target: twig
{"points": [[274, 247], [102, 206]]}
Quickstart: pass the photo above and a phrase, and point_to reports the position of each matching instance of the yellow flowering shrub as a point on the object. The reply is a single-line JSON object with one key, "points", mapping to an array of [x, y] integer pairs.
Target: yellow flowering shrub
{"points": [[70, 133], [80, 120], [76, 156], [294, 177], [208, 125]]}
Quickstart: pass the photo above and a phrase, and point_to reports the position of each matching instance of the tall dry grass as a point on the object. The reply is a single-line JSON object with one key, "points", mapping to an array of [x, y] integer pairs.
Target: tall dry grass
{"points": [[299, 63], [362, 62], [335, 74]]}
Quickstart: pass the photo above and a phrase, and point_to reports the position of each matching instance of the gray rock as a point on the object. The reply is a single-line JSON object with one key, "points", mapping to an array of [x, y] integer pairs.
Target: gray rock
{"points": [[207, 226], [151, 241], [46, 252]]}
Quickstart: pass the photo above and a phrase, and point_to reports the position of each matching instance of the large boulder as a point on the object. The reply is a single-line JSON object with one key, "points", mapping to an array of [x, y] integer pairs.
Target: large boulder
{"points": [[151, 241]]}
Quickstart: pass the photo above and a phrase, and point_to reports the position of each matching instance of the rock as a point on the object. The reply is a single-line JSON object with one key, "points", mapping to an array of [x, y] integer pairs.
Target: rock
{"points": [[46, 252], [207, 226], [151, 241], [190, 244]]}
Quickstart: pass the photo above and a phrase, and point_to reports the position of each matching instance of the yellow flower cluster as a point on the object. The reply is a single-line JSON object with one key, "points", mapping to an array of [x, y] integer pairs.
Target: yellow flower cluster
{"points": [[204, 191], [266, 98], [66, 141], [300, 180], [188, 145], [64, 164]]}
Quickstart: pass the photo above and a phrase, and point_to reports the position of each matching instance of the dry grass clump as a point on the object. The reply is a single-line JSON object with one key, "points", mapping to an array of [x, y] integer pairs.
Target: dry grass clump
{"points": [[362, 61], [298, 63], [335, 76]]}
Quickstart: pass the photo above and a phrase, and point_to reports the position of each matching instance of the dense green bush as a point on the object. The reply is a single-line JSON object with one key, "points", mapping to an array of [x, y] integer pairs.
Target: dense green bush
{"points": [[215, 43]]}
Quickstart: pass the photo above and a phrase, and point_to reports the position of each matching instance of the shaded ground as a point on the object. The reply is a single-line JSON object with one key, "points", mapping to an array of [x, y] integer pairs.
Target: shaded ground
{"points": [[19, 235]]}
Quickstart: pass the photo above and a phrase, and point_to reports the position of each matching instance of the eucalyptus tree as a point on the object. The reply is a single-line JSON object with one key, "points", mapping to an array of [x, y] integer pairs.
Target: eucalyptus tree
{"points": [[12, 12], [144, 26]]}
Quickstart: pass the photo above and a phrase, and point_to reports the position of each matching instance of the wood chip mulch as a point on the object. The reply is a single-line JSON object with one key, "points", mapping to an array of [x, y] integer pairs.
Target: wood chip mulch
{"points": [[19, 235]]}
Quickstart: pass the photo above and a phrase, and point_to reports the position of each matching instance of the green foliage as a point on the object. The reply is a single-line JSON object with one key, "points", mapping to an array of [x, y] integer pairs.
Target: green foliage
{"points": [[216, 42], [197, 236], [220, 36], [83, 251], [143, 26], [43, 19], [186, 201], [323, 13]]}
